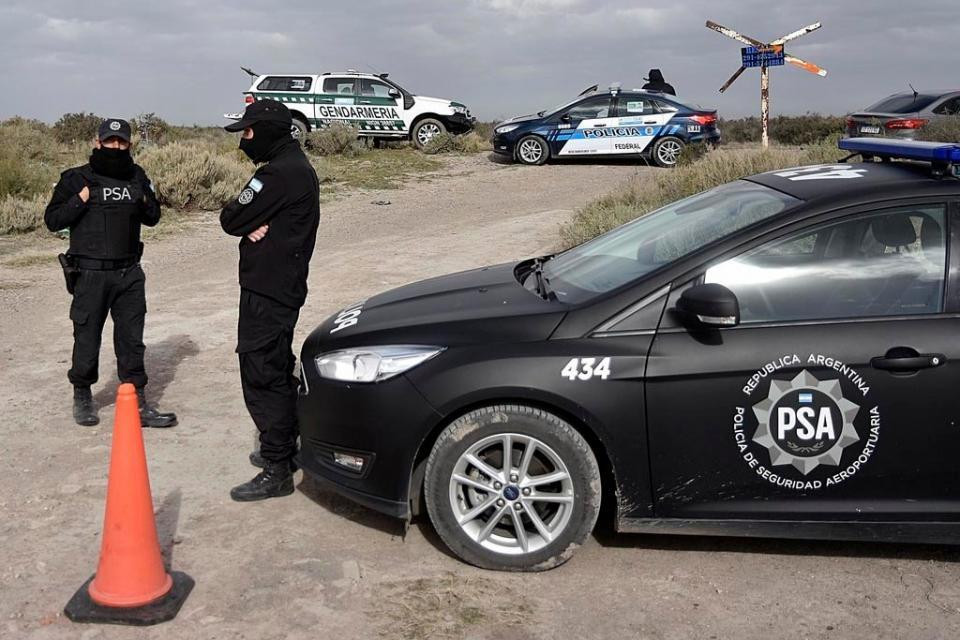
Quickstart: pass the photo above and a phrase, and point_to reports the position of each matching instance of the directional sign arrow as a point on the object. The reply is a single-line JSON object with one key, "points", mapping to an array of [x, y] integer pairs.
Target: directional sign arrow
{"points": [[730, 33], [736, 74], [806, 66], [796, 34]]}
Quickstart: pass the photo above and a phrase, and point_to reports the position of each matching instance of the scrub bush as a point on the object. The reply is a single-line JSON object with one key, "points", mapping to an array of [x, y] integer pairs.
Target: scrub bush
{"points": [[716, 167], [806, 129], [336, 140], [943, 129], [77, 127], [19, 214], [192, 176], [151, 128], [470, 142]]}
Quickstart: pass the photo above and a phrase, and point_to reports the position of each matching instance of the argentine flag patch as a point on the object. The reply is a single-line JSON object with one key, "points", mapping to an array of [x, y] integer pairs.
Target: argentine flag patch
{"points": [[255, 184]]}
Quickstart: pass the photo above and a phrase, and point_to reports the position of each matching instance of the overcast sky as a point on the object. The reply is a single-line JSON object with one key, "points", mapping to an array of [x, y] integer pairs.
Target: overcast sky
{"points": [[181, 59]]}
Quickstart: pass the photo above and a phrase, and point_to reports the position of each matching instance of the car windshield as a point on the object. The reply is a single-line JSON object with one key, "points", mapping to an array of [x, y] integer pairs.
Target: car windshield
{"points": [[657, 239], [564, 105], [902, 103]]}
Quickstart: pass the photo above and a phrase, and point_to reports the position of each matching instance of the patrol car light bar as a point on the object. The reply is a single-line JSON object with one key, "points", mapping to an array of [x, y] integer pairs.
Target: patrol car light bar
{"points": [[942, 155]]}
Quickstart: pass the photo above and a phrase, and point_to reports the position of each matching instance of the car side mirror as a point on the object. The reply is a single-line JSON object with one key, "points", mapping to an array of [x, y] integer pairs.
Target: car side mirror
{"points": [[393, 93], [710, 305]]}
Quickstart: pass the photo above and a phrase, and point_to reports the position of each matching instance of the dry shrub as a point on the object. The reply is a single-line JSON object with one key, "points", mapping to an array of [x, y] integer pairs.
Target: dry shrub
{"points": [[715, 168], [337, 139], [806, 129], [77, 127], [944, 129], [193, 176], [446, 142], [20, 214]]}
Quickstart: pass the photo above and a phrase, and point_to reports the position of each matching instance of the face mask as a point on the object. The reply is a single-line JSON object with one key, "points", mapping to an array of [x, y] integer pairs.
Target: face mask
{"points": [[113, 163], [265, 136]]}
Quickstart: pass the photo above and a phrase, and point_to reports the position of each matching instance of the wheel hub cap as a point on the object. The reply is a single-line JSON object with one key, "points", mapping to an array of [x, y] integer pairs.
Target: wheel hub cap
{"points": [[511, 493]]}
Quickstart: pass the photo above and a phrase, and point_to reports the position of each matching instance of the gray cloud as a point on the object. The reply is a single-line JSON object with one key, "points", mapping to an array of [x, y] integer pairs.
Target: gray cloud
{"points": [[502, 57]]}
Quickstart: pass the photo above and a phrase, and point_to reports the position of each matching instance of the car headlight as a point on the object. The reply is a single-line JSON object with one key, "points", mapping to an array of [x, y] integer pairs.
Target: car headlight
{"points": [[507, 128], [372, 364], [459, 108]]}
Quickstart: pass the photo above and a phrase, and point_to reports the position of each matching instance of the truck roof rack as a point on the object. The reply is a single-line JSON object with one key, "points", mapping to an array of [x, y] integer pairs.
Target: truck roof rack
{"points": [[944, 157]]}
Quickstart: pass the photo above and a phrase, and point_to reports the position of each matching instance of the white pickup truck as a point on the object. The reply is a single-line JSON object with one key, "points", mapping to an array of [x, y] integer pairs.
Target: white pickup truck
{"points": [[378, 107]]}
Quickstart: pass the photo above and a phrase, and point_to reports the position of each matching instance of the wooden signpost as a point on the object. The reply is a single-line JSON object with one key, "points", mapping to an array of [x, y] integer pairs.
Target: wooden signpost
{"points": [[766, 55]]}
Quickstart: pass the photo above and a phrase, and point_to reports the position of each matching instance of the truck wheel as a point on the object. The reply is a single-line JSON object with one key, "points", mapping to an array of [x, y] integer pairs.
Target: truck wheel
{"points": [[532, 150], [666, 151], [512, 488], [425, 130], [299, 130]]}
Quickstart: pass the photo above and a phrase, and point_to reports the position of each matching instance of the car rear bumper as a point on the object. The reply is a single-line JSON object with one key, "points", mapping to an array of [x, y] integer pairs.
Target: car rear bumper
{"points": [[382, 423]]}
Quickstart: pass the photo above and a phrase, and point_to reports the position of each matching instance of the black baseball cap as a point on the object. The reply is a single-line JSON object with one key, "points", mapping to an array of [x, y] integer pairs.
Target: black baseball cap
{"points": [[114, 128], [265, 110]]}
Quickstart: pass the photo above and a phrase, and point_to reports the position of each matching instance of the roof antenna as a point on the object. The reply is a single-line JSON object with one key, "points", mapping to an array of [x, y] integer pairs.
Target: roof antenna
{"points": [[915, 93], [250, 73]]}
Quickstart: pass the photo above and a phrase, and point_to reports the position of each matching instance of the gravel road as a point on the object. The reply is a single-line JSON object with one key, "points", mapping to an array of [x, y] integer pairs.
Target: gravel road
{"points": [[314, 565]]}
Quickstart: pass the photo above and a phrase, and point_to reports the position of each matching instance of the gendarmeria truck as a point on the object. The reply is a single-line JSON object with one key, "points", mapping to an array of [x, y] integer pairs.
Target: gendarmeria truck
{"points": [[378, 107]]}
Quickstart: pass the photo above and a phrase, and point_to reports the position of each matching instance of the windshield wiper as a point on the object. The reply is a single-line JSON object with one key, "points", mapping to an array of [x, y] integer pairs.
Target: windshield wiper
{"points": [[542, 287]]}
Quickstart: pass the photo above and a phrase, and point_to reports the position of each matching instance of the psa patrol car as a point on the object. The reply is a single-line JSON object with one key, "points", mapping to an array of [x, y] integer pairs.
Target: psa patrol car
{"points": [[377, 106], [777, 356], [614, 123]]}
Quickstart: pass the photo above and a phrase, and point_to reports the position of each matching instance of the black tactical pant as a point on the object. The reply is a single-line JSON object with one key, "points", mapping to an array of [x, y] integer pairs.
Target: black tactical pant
{"points": [[264, 345], [121, 293]]}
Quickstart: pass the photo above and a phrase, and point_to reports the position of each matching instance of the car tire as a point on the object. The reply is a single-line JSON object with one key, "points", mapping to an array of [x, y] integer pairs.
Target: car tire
{"points": [[666, 151], [465, 472], [425, 130], [299, 130], [532, 150]]}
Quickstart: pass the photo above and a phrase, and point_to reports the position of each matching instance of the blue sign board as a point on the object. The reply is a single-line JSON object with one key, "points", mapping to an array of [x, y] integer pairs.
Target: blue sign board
{"points": [[760, 57]]}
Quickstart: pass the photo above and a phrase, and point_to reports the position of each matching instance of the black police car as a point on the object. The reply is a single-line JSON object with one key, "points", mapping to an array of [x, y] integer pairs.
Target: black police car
{"points": [[777, 356], [608, 123]]}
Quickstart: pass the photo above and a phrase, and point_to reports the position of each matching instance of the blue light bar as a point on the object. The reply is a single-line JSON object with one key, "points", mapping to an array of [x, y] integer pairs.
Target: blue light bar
{"points": [[936, 152]]}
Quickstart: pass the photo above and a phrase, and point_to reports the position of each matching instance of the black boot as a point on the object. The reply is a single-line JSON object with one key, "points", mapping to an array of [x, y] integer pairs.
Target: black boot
{"points": [[84, 412], [274, 481], [257, 460], [150, 417]]}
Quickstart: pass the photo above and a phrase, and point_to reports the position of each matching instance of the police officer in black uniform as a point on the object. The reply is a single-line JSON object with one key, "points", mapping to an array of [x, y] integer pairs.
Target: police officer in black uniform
{"points": [[103, 203], [655, 82], [276, 217]]}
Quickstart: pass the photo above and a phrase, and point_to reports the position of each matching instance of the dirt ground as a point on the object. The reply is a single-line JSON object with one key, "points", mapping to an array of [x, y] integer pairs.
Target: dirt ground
{"points": [[314, 565]]}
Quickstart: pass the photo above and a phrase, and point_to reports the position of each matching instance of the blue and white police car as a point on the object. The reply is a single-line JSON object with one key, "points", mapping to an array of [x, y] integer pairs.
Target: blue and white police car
{"points": [[613, 122]]}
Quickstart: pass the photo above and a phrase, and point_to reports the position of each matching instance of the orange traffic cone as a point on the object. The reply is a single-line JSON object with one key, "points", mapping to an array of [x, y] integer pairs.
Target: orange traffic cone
{"points": [[131, 585]]}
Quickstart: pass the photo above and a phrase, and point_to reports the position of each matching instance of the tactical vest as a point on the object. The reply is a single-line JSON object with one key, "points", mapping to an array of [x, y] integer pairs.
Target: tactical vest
{"points": [[110, 229]]}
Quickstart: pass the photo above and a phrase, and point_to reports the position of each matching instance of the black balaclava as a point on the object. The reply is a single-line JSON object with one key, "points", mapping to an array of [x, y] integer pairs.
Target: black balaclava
{"points": [[655, 75], [112, 163], [266, 135]]}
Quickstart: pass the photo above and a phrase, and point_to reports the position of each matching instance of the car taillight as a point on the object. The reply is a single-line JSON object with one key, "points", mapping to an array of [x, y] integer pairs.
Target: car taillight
{"points": [[704, 120], [248, 100], [851, 123], [906, 123]]}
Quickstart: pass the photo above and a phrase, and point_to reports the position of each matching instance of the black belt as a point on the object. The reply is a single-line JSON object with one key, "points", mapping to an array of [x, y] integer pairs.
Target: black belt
{"points": [[94, 264]]}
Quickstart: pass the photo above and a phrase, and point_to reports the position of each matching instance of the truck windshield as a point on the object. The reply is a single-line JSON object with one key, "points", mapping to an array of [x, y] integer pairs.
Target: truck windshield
{"points": [[659, 238]]}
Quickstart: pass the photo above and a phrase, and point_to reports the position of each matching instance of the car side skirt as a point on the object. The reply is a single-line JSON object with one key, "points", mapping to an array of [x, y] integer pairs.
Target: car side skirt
{"points": [[908, 532]]}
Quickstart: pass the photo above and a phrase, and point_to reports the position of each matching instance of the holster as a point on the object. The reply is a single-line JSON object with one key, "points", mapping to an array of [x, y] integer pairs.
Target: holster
{"points": [[70, 271]]}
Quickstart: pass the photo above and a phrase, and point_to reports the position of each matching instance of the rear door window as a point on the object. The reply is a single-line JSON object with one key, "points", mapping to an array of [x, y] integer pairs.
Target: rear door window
{"points": [[339, 86], [285, 83]]}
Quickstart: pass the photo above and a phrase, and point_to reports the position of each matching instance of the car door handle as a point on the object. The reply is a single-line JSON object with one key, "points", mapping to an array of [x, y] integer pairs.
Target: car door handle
{"points": [[366, 102], [649, 122], [907, 359], [599, 125]]}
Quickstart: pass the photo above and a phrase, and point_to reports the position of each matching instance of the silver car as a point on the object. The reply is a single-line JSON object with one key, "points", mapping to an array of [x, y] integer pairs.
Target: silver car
{"points": [[902, 115]]}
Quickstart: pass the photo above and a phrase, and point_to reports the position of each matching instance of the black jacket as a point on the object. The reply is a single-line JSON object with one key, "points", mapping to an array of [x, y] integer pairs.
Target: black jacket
{"points": [[284, 194], [661, 86], [107, 226]]}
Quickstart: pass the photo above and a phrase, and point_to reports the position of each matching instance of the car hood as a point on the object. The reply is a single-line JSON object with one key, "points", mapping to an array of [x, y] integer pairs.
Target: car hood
{"points": [[478, 306], [429, 100], [519, 119]]}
